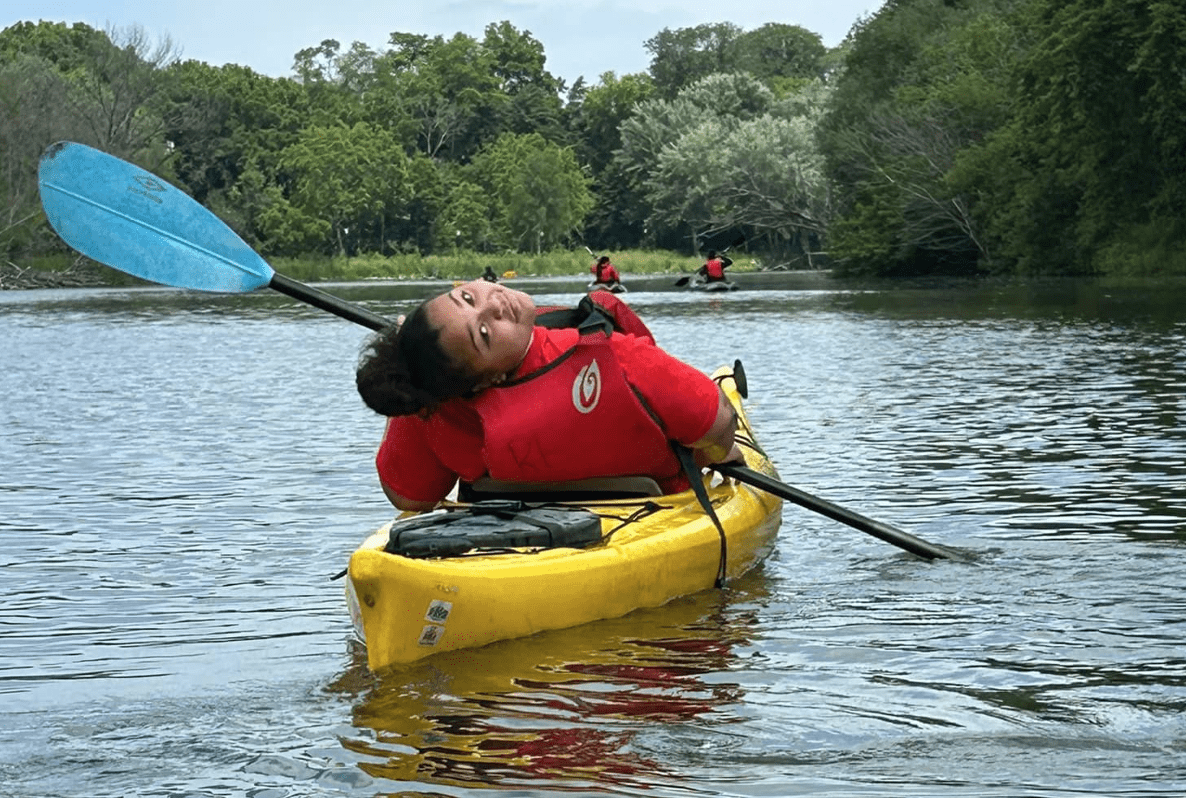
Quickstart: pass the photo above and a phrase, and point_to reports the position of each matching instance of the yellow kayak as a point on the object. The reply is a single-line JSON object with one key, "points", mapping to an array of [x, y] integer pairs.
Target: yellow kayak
{"points": [[413, 593]]}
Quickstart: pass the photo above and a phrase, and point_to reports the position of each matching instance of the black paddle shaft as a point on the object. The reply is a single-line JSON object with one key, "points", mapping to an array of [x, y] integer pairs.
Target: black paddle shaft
{"points": [[320, 299], [877, 529]]}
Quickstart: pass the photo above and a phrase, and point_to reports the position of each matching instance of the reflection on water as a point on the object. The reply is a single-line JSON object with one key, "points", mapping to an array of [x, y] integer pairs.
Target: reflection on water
{"points": [[181, 474], [565, 706]]}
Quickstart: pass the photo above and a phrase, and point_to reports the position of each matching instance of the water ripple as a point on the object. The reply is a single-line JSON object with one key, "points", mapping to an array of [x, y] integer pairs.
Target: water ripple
{"points": [[184, 473]]}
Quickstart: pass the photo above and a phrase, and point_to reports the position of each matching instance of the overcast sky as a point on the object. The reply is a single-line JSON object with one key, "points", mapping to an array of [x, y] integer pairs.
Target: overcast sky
{"points": [[580, 37]]}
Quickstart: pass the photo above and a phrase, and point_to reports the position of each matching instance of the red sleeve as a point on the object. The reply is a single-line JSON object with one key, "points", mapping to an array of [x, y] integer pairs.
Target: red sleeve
{"points": [[625, 318], [408, 465], [685, 398]]}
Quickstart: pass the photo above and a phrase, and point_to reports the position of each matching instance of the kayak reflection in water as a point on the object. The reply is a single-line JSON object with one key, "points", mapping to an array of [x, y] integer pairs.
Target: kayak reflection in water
{"points": [[568, 705], [479, 382]]}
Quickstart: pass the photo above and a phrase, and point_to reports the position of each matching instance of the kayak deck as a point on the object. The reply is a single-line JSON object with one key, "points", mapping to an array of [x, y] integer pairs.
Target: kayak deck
{"points": [[713, 286], [652, 550], [613, 288]]}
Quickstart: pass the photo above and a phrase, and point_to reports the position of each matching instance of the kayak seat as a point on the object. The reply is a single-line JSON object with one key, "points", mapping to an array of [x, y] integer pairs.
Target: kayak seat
{"points": [[578, 490]]}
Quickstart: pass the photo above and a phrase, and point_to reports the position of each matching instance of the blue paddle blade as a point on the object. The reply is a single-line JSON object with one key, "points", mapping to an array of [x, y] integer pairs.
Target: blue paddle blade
{"points": [[122, 216]]}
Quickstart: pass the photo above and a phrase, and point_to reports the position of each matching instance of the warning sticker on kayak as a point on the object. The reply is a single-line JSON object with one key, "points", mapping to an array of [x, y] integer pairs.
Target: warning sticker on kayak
{"points": [[438, 611], [431, 635]]}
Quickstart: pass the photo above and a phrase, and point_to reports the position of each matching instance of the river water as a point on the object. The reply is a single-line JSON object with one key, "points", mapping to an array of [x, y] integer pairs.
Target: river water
{"points": [[183, 474]]}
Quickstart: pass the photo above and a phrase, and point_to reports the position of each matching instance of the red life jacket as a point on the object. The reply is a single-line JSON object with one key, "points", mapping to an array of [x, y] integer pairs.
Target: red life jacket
{"points": [[605, 273], [575, 418], [714, 269]]}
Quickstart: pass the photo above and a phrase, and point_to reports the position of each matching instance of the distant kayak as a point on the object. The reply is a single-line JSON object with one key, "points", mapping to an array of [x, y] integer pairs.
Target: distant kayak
{"points": [[613, 288], [716, 285]]}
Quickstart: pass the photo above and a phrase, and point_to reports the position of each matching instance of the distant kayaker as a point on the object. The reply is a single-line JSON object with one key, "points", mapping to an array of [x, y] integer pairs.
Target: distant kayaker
{"points": [[604, 272], [713, 270], [489, 275], [472, 386]]}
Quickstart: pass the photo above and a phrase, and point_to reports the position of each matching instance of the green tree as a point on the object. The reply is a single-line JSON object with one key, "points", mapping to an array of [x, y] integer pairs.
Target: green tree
{"points": [[415, 228], [596, 121], [764, 174], [781, 56], [533, 94], [34, 112], [448, 89], [732, 95], [119, 91], [1096, 149], [348, 177], [465, 222], [683, 56], [73, 82], [115, 77], [536, 190], [598, 117], [278, 226], [651, 161], [654, 125], [228, 147], [924, 83], [64, 46], [334, 81]]}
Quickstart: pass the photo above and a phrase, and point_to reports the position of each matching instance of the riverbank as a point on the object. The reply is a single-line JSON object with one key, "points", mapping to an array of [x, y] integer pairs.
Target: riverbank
{"points": [[83, 273], [651, 267]]}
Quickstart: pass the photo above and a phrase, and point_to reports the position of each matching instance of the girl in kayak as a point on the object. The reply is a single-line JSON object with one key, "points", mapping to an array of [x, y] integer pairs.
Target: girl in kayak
{"points": [[604, 272], [473, 386], [713, 270]]}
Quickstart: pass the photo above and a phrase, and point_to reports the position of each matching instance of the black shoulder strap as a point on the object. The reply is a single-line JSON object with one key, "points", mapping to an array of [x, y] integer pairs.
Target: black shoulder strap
{"points": [[585, 317], [558, 319]]}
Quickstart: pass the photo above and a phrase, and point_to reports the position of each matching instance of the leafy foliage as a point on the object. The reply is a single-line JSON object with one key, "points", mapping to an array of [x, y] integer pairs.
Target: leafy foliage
{"points": [[540, 194], [726, 154], [778, 54], [1097, 138], [348, 177], [942, 136], [682, 57]]}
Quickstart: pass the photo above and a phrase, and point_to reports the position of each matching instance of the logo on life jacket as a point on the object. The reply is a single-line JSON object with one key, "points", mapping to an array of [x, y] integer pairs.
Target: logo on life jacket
{"points": [[586, 388]]}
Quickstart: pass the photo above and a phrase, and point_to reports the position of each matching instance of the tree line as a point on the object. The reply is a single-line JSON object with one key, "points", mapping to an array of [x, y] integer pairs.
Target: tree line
{"points": [[954, 137]]}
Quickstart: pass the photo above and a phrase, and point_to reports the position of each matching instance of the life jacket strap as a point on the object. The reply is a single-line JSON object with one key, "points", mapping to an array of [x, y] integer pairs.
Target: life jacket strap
{"points": [[587, 314], [689, 464]]}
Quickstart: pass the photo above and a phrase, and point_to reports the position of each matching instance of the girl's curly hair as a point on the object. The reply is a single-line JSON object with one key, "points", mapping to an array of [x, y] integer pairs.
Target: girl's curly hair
{"points": [[404, 370]]}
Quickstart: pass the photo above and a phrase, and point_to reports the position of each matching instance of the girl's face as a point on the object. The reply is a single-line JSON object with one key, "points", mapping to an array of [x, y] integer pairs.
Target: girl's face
{"points": [[485, 327]]}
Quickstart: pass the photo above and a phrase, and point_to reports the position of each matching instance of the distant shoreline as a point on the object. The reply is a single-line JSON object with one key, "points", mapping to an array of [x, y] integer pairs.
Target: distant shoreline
{"points": [[90, 275]]}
